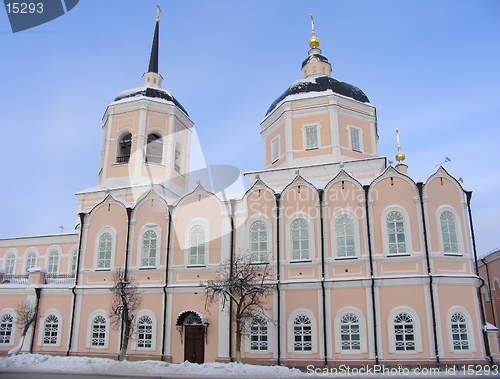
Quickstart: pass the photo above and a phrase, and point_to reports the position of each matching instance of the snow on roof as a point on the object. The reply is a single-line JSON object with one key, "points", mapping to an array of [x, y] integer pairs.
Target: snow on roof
{"points": [[104, 366]]}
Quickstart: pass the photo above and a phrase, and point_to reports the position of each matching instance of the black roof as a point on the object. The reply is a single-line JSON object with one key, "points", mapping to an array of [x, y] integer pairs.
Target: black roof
{"points": [[151, 92], [319, 57], [320, 84]]}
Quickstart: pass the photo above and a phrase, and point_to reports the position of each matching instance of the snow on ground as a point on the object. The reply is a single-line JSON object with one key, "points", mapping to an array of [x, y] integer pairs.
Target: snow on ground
{"points": [[47, 363]]}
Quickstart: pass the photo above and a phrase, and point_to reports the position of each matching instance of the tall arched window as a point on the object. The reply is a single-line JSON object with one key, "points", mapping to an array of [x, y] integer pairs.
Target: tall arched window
{"points": [[73, 260], [148, 258], [449, 232], [300, 239], [404, 331], [144, 332], [154, 149], [349, 330], [50, 330], [258, 334], [302, 333], [10, 263], [123, 148], [98, 331], [178, 158], [30, 260], [53, 262], [105, 248], [344, 229], [459, 332], [258, 242], [197, 246], [6, 325], [396, 232]]}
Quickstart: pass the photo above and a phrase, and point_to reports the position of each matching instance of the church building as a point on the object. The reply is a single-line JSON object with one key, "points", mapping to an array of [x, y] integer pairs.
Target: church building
{"points": [[371, 265]]}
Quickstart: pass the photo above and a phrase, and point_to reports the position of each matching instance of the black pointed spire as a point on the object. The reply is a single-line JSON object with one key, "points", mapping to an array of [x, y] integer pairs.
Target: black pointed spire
{"points": [[153, 61]]}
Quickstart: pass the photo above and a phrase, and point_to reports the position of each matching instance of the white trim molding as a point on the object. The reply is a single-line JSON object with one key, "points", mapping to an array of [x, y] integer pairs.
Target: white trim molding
{"points": [[304, 128], [187, 246], [90, 321], [312, 239], [470, 330], [154, 330], [41, 329], [417, 331], [290, 331], [458, 229], [112, 231], [407, 230], [148, 227], [360, 138], [363, 338], [333, 233], [13, 328]]}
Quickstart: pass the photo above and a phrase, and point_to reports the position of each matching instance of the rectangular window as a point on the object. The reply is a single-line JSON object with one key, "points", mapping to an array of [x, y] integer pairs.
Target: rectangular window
{"points": [[311, 137], [355, 141], [275, 149]]}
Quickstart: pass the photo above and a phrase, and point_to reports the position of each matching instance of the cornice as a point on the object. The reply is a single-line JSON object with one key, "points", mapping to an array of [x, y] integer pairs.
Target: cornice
{"points": [[50, 239]]}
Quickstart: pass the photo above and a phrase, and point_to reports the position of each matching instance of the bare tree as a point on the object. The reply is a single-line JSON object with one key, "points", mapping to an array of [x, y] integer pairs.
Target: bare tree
{"points": [[246, 285], [26, 316], [125, 299]]}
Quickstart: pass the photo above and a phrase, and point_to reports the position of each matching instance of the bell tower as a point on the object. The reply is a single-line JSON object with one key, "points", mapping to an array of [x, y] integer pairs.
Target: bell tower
{"points": [[146, 136]]}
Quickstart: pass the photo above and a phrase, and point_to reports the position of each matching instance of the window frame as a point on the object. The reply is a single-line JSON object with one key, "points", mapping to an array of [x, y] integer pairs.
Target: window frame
{"points": [[119, 140], [41, 331], [10, 256], [154, 329], [458, 230], [359, 130], [33, 250], [73, 252], [156, 229], [48, 252], [333, 233], [312, 237], [278, 153], [90, 323], [148, 142], [417, 331], [363, 336], [12, 313], [385, 231], [470, 330], [291, 336], [304, 129], [270, 334], [103, 230], [187, 247], [259, 252]]}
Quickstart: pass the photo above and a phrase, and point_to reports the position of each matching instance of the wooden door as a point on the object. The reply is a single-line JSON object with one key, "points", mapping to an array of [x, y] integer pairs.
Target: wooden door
{"points": [[194, 346]]}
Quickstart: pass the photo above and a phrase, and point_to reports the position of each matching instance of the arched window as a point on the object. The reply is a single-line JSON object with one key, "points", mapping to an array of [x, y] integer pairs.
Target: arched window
{"points": [[105, 248], [53, 262], [349, 330], [300, 239], [459, 332], [258, 242], [197, 246], [98, 331], [258, 334], [30, 260], [404, 331], [50, 330], [344, 229], [154, 149], [10, 263], [396, 232], [123, 149], [144, 332], [449, 232], [302, 333], [6, 325], [148, 258]]}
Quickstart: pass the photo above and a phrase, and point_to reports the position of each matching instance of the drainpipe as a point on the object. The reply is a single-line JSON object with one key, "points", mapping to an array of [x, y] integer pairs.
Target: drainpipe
{"points": [[125, 270], [483, 317], [374, 310], [231, 258], [325, 344], [429, 272], [169, 231], [493, 310], [38, 293], [278, 276], [77, 270]]}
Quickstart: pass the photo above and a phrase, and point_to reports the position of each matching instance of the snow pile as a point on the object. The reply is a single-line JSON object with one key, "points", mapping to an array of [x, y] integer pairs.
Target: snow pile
{"points": [[47, 363]]}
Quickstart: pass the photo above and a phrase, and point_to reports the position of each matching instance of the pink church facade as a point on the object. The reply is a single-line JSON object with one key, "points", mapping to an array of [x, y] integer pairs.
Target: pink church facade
{"points": [[370, 265]]}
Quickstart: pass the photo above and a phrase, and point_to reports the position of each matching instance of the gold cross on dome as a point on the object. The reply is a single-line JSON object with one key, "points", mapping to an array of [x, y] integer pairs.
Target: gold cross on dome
{"points": [[158, 13], [312, 24], [61, 227]]}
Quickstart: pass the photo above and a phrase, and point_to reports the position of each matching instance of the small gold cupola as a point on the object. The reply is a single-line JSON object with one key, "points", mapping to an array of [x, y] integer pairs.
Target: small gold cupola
{"points": [[400, 157], [315, 64]]}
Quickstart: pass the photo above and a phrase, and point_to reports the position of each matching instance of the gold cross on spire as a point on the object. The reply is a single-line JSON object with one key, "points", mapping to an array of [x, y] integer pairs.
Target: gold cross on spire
{"points": [[61, 227], [400, 157], [158, 13], [312, 24]]}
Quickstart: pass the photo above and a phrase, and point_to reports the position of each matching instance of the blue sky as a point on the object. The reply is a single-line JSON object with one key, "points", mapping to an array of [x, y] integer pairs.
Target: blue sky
{"points": [[430, 67]]}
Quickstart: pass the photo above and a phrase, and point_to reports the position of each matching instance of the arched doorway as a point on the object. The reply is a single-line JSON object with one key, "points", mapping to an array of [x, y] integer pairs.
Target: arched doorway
{"points": [[192, 325]]}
